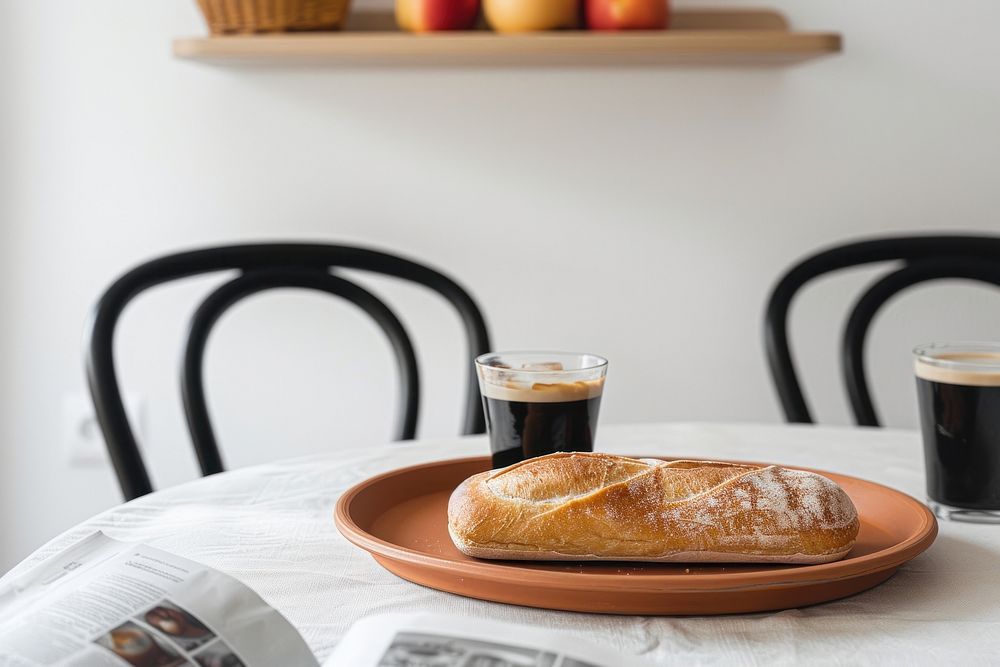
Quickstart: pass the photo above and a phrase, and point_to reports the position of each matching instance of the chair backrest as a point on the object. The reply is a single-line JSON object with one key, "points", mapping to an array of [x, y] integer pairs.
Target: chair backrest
{"points": [[918, 259], [262, 267]]}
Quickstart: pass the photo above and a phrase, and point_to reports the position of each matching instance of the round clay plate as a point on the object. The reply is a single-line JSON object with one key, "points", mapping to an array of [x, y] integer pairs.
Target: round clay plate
{"points": [[401, 518]]}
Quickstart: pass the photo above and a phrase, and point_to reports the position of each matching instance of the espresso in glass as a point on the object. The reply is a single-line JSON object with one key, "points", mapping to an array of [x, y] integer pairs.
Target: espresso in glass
{"points": [[537, 403], [958, 389]]}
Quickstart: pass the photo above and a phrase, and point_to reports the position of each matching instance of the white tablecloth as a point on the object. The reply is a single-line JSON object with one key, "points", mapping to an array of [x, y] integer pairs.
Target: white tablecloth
{"points": [[271, 526]]}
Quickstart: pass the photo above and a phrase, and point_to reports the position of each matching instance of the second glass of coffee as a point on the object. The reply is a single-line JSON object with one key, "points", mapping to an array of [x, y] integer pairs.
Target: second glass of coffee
{"points": [[958, 388], [537, 403]]}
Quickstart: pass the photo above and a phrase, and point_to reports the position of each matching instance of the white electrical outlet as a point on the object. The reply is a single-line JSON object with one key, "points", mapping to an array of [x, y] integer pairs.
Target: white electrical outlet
{"points": [[83, 442]]}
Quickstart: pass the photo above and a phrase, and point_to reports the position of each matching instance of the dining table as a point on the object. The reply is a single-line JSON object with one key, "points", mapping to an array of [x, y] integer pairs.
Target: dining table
{"points": [[271, 527]]}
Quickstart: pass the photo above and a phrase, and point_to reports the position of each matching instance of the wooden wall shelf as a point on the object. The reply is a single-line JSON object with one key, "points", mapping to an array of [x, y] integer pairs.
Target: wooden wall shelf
{"points": [[731, 37]]}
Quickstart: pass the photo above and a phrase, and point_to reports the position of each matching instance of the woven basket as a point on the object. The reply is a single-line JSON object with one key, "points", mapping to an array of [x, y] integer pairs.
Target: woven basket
{"points": [[229, 16]]}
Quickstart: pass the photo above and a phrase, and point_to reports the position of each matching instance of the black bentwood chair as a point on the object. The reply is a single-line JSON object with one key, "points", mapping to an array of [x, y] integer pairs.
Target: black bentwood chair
{"points": [[917, 259], [262, 267]]}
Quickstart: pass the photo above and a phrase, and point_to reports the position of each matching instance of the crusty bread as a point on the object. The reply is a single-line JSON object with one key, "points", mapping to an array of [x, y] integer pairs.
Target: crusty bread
{"points": [[577, 506]]}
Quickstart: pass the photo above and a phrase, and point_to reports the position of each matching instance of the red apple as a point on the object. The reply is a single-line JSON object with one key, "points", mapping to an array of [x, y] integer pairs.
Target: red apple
{"points": [[432, 15], [627, 14]]}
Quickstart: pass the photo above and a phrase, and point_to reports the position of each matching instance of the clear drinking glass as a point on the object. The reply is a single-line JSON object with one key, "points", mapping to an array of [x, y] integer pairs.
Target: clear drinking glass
{"points": [[537, 403], [958, 390]]}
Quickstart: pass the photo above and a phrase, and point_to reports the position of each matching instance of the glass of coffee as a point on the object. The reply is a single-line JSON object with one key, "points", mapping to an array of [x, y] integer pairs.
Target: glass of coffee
{"points": [[537, 403], [958, 389]]}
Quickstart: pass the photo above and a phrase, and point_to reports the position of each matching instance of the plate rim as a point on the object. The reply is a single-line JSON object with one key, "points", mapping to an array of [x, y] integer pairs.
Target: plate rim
{"points": [[890, 558]]}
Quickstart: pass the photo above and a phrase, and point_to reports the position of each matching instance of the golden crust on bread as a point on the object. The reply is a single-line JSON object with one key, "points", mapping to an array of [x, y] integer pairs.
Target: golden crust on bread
{"points": [[582, 506]]}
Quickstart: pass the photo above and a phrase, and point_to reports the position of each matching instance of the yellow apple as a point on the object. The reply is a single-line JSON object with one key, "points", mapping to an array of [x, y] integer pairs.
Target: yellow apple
{"points": [[531, 15]]}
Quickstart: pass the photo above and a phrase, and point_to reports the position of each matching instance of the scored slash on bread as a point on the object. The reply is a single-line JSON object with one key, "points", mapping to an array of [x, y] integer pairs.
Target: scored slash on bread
{"points": [[592, 506]]}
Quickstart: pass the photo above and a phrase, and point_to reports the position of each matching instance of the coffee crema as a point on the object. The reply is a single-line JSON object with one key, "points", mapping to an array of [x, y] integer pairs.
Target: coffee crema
{"points": [[972, 369], [544, 392]]}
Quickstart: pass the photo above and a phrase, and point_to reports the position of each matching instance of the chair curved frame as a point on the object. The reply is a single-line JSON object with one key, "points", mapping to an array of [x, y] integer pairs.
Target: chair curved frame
{"points": [[289, 260], [910, 250], [248, 284], [878, 295]]}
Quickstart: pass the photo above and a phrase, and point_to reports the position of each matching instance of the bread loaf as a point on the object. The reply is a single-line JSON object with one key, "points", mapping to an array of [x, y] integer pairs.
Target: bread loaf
{"points": [[581, 506]]}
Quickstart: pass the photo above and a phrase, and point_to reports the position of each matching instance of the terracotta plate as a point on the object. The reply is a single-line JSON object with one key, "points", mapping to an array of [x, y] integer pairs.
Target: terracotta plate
{"points": [[400, 517]]}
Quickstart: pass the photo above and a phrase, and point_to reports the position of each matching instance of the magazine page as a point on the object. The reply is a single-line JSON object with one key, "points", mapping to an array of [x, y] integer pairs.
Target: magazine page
{"points": [[436, 640], [106, 602]]}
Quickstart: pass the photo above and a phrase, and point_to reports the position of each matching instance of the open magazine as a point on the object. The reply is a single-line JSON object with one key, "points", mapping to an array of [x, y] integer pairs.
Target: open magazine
{"points": [[435, 640], [108, 603]]}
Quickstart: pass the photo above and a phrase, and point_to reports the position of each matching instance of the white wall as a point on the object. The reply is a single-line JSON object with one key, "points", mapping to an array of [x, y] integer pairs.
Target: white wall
{"points": [[638, 213]]}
